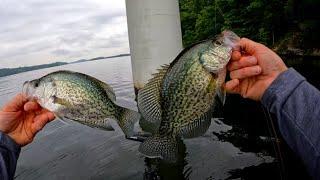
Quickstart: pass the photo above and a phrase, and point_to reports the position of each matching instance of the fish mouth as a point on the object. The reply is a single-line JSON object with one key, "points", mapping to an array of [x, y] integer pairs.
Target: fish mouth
{"points": [[27, 89], [229, 39]]}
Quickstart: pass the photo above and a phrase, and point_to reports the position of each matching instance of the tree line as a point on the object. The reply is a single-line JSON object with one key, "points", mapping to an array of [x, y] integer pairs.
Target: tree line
{"points": [[281, 24]]}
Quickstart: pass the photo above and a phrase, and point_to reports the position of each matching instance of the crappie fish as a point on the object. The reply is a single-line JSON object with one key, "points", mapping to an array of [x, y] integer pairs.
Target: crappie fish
{"points": [[81, 98], [179, 100]]}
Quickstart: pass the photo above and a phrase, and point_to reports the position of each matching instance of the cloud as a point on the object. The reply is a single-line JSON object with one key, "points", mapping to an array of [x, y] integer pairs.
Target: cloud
{"points": [[38, 32], [61, 52]]}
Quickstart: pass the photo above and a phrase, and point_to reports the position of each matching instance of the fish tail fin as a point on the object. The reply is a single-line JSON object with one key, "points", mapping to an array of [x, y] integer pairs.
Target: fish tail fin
{"points": [[164, 147], [127, 119]]}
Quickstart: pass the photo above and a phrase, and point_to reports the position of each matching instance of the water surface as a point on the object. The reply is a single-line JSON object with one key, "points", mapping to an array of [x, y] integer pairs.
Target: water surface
{"points": [[74, 151]]}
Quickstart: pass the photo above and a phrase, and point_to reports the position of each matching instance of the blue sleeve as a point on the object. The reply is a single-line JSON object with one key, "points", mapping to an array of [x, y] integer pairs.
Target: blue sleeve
{"points": [[296, 104], [9, 153]]}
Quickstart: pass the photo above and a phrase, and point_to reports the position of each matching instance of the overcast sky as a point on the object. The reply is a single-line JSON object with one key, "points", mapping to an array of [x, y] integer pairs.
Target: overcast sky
{"points": [[44, 31]]}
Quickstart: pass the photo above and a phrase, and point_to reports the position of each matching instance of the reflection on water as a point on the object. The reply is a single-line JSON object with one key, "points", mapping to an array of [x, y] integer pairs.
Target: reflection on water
{"points": [[157, 169], [237, 146]]}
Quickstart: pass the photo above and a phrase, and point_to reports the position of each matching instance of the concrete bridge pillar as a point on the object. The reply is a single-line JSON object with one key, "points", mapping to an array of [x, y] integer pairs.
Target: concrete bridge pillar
{"points": [[154, 36]]}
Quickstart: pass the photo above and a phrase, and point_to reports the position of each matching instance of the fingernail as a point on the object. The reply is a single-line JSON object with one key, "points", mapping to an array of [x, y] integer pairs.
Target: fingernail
{"points": [[252, 59], [258, 70]]}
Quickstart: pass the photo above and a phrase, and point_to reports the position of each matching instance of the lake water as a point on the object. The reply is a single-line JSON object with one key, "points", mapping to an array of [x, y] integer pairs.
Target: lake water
{"points": [[74, 151]]}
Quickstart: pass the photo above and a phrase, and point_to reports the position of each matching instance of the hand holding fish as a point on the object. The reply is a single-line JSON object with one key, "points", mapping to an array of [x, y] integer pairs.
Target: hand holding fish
{"points": [[253, 69], [22, 119]]}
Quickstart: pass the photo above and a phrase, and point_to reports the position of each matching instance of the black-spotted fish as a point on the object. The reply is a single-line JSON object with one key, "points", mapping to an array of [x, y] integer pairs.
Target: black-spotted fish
{"points": [[81, 98], [179, 100]]}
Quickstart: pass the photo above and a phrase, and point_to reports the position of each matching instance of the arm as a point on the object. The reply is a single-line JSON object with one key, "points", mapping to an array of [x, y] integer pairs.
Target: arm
{"points": [[296, 103], [258, 73], [9, 153], [20, 120]]}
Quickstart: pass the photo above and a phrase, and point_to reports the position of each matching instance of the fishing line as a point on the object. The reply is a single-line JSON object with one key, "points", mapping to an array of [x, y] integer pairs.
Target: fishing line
{"points": [[215, 16], [275, 145]]}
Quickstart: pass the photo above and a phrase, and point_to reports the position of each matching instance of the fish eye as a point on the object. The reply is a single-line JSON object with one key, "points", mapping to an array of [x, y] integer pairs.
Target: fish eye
{"points": [[36, 84], [219, 43]]}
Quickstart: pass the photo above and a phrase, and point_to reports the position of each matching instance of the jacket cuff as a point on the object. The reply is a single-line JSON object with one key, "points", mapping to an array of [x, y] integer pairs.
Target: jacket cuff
{"points": [[281, 88], [6, 141]]}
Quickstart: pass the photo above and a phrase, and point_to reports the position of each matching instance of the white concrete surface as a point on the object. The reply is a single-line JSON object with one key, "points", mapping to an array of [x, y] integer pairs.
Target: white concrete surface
{"points": [[154, 36]]}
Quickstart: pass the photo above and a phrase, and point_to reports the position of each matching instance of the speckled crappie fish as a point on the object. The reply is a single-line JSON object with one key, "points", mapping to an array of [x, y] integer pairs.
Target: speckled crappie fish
{"points": [[179, 100], [81, 98]]}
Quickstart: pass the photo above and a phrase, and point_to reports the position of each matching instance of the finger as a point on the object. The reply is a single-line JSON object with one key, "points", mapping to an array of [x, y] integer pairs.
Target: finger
{"points": [[51, 116], [41, 120], [248, 45], [245, 61], [232, 86], [245, 72], [31, 106], [16, 104], [236, 55]]}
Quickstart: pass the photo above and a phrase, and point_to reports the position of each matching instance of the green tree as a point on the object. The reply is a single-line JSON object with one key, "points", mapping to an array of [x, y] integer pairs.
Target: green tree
{"points": [[266, 21]]}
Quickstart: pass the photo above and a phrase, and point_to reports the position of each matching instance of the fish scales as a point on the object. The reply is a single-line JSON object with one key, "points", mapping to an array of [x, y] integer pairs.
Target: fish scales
{"points": [[86, 93], [82, 98], [178, 102], [181, 108]]}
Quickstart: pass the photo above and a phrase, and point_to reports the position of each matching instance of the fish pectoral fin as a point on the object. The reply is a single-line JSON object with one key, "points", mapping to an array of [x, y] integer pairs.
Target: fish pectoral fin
{"points": [[61, 101], [221, 93], [108, 127], [164, 147], [198, 127]]}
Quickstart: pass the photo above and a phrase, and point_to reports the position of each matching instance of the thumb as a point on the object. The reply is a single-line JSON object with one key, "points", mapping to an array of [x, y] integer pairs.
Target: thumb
{"points": [[248, 45]]}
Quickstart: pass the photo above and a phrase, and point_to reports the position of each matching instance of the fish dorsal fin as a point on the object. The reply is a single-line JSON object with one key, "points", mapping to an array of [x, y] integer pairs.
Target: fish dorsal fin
{"points": [[109, 90], [186, 49], [149, 101]]}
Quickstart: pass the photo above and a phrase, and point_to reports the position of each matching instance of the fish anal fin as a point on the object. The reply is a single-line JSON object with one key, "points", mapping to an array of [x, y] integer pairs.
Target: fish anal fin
{"points": [[103, 125], [127, 119], [165, 148]]}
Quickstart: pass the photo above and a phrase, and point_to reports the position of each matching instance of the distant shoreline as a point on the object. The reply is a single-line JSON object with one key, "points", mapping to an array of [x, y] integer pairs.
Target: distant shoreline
{"points": [[10, 71]]}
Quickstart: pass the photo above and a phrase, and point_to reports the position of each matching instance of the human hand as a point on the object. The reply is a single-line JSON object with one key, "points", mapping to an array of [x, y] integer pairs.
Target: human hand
{"points": [[253, 69], [22, 119]]}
